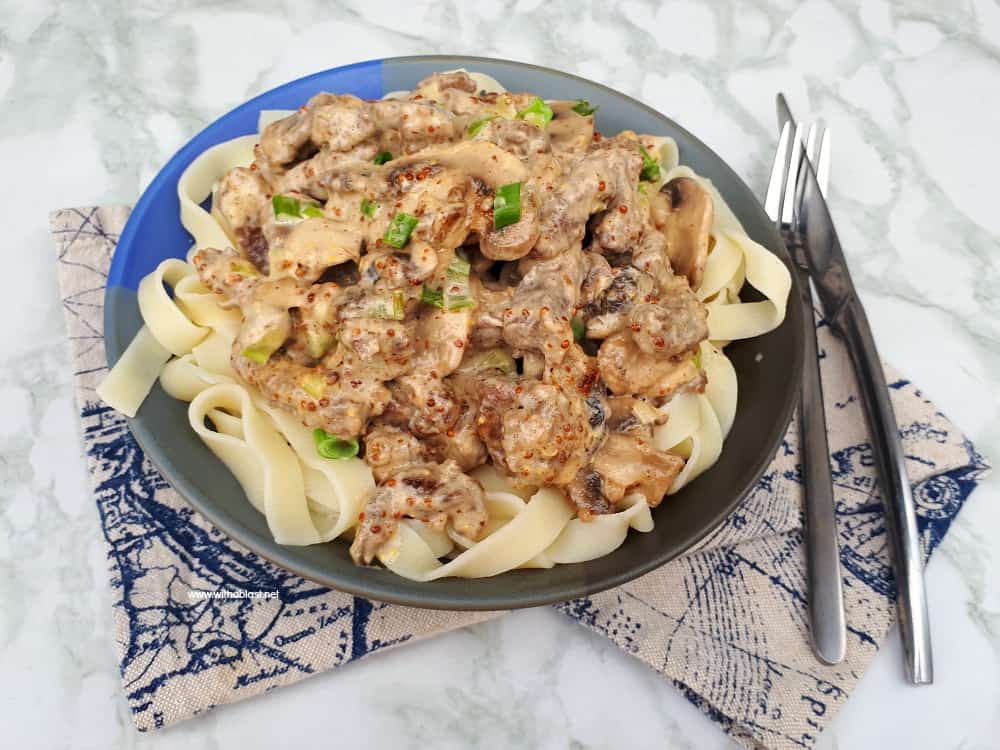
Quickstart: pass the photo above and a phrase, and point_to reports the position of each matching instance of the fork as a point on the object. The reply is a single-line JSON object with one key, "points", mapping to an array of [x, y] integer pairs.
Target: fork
{"points": [[826, 597]]}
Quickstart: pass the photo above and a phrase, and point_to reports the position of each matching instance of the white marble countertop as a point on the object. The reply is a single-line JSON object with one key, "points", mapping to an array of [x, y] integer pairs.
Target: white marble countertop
{"points": [[96, 97]]}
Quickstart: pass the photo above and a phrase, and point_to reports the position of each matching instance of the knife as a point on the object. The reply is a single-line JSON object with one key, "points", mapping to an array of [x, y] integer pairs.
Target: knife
{"points": [[846, 316]]}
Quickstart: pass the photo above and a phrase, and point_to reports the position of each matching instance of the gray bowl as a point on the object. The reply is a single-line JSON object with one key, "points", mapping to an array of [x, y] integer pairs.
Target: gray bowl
{"points": [[767, 383]]}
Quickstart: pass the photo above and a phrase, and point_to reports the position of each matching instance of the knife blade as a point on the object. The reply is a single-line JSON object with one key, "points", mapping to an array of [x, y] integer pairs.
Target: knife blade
{"points": [[846, 316]]}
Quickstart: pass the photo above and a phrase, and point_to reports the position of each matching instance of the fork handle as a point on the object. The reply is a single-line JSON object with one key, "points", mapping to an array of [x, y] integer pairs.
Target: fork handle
{"points": [[900, 513], [826, 596]]}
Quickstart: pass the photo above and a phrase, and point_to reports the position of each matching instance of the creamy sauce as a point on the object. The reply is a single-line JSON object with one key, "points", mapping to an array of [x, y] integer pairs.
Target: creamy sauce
{"points": [[369, 333]]}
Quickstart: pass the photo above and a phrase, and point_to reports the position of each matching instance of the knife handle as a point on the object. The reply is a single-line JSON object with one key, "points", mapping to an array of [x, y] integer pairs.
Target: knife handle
{"points": [[897, 499], [826, 596]]}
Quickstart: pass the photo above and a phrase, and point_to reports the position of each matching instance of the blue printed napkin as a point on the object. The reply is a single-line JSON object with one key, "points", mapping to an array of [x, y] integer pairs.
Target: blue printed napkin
{"points": [[726, 623]]}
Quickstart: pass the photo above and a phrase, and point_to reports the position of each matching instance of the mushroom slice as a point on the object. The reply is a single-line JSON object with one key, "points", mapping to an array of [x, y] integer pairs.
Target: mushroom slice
{"points": [[683, 211], [515, 240], [627, 370]]}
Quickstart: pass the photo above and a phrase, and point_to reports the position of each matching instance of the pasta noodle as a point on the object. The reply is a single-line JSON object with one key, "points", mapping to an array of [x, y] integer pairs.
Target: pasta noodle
{"points": [[188, 338]]}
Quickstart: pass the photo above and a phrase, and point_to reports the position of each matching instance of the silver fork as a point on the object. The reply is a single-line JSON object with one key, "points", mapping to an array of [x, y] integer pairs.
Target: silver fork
{"points": [[826, 597]]}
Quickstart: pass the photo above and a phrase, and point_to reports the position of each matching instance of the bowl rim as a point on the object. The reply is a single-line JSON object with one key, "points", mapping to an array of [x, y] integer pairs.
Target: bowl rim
{"points": [[472, 599]]}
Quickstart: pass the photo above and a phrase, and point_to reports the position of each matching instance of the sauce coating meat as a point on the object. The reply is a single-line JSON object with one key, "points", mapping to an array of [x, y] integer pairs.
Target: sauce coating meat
{"points": [[455, 277]]}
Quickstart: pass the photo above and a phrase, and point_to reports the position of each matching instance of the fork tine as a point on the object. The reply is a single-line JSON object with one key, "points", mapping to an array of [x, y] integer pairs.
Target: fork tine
{"points": [[779, 170], [811, 142], [822, 162], [794, 163]]}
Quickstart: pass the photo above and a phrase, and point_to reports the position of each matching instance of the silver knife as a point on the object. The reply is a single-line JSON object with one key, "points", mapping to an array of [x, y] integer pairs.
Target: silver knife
{"points": [[846, 316]]}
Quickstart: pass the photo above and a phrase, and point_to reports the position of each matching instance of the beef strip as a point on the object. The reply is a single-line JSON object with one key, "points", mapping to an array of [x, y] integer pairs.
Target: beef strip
{"points": [[608, 310], [389, 449], [241, 203], [538, 433], [439, 494], [604, 179], [347, 398], [542, 306]]}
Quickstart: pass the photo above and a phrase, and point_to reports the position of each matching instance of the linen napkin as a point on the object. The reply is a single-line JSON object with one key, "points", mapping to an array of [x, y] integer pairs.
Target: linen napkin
{"points": [[727, 623]]}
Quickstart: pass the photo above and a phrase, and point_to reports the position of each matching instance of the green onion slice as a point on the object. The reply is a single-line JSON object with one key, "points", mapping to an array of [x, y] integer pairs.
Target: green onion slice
{"points": [[697, 359], [331, 446], [538, 113], [431, 297], [650, 167], [579, 329], [314, 384], [507, 205], [582, 107], [369, 208], [258, 354], [400, 229], [456, 285], [382, 157], [492, 359], [456, 294], [382, 306], [289, 210], [476, 125], [391, 308]]}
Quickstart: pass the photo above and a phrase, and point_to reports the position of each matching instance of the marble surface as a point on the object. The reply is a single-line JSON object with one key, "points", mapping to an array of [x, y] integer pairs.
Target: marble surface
{"points": [[96, 96]]}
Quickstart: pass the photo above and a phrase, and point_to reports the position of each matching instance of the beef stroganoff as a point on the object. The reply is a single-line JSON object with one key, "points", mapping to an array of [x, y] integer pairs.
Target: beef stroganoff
{"points": [[458, 326]]}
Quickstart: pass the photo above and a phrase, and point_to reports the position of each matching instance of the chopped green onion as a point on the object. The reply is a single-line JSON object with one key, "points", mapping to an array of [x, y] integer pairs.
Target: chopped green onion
{"points": [[318, 342], [261, 350], [369, 208], [400, 229], [289, 210], [431, 297], [314, 384], [382, 157], [650, 167], [459, 268], [476, 125], [492, 359], [244, 267], [538, 113], [507, 205], [456, 285], [455, 295], [258, 354], [642, 188], [392, 308], [384, 306], [331, 446], [697, 359], [582, 107], [286, 209], [579, 329]]}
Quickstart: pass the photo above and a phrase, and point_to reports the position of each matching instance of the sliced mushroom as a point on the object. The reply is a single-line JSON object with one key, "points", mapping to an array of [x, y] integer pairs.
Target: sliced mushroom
{"points": [[628, 464], [626, 369], [683, 211], [514, 240], [288, 139], [314, 245], [477, 159]]}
